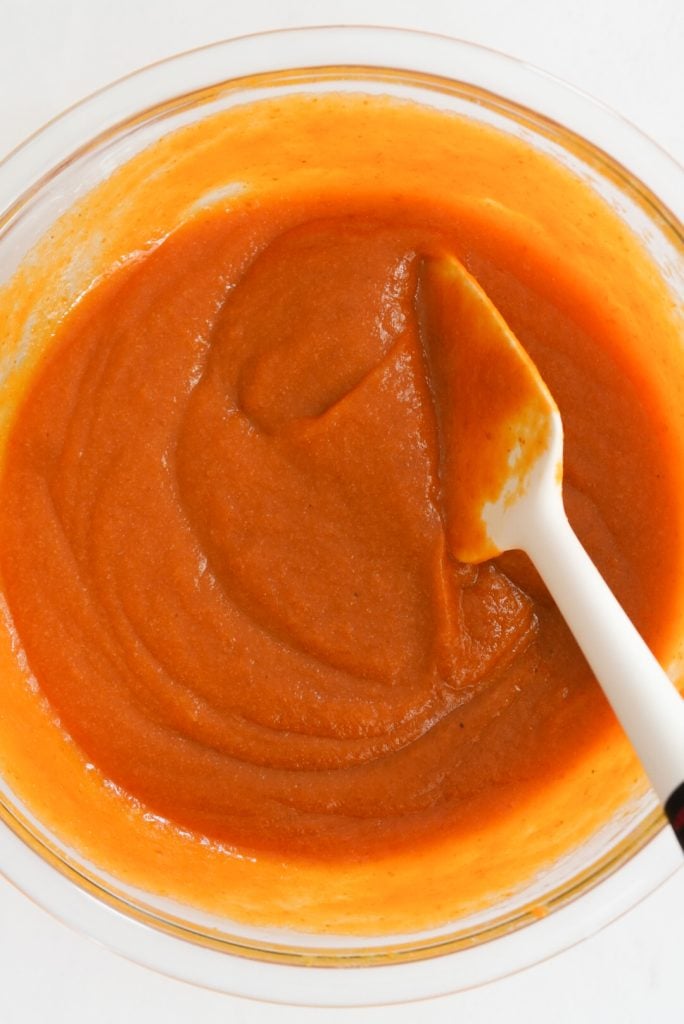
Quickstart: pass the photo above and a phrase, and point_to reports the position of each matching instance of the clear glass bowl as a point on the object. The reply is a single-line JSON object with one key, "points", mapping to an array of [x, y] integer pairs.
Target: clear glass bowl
{"points": [[41, 180]]}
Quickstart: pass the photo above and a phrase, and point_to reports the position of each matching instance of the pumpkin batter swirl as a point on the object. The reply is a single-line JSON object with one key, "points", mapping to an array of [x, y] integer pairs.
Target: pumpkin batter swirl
{"points": [[227, 479]]}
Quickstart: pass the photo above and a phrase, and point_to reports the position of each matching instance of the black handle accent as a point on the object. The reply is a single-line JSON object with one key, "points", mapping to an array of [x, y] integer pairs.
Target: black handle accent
{"points": [[674, 808]]}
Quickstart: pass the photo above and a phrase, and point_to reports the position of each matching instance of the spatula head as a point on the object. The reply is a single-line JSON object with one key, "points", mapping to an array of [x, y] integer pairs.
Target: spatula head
{"points": [[500, 429]]}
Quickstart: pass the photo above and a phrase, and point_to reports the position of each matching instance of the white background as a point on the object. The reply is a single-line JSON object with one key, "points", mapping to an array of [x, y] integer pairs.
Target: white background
{"points": [[627, 53]]}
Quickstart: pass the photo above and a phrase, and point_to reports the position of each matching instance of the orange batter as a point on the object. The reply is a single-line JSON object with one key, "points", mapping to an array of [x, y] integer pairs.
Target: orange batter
{"points": [[223, 531]]}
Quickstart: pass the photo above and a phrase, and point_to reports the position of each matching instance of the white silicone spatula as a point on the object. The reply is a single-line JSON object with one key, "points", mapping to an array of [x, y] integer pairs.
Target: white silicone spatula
{"points": [[503, 444]]}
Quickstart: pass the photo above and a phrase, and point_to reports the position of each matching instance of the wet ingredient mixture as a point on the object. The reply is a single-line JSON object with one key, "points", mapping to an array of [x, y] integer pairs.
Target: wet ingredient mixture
{"points": [[224, 535]]}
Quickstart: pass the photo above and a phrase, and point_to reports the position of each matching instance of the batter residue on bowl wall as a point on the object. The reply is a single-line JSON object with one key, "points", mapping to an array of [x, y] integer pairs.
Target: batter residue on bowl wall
{"points": [[223, 530]]}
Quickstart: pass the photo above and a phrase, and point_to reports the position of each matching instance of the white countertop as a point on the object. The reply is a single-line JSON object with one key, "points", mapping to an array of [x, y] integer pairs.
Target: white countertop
{"points": [[625, 52]]}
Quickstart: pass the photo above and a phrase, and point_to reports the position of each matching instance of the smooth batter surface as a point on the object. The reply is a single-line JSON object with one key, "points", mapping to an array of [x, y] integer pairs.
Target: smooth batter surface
{"points": [[224, 536]]}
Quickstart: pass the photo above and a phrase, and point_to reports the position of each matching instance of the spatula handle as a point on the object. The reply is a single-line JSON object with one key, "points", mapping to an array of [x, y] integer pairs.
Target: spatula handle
{"points": [[646, 702], [674, 808]]}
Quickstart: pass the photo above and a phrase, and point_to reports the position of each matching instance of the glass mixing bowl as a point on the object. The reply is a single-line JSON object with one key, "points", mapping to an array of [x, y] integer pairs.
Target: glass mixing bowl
{"points": [[42, 179]]}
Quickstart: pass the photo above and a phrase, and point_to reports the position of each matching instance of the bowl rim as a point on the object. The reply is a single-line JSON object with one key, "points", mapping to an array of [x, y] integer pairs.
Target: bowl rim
{"points": [[22, 173], [584, 114], [345, 986]]}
